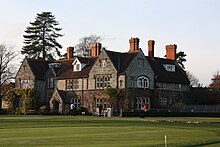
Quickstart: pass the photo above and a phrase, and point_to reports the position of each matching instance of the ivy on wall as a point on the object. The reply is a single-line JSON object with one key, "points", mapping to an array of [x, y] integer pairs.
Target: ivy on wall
{"points": [[21, 101]]}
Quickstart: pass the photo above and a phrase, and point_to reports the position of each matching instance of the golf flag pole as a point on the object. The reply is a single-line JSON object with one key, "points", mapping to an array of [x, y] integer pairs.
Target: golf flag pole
{"points": [[165, 140]]}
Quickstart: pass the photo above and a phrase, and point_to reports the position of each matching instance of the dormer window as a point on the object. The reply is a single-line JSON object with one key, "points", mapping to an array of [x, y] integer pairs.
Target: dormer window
{"points": [[77, 65], [169, 67], [56, 65]]}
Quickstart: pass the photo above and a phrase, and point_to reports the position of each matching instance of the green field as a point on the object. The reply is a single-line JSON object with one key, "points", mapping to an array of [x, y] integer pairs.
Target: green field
{"points": [[96, 131]]}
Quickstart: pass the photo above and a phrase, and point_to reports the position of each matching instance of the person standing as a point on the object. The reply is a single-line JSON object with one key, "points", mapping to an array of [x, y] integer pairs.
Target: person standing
{"points": [[100, 110], [73, 108], [145, 107]]}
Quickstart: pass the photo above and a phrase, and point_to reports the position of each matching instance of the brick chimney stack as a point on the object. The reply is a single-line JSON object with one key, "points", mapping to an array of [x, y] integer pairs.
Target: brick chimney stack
{"points": [[70, 51], [96, 49], [171, 51], [151, 44], [134, 44]]}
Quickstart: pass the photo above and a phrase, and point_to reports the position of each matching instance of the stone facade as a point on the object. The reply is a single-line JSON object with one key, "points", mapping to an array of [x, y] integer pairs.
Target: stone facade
{"points": [[107, 70], [136, 70], [136, 76], [25, 78]]}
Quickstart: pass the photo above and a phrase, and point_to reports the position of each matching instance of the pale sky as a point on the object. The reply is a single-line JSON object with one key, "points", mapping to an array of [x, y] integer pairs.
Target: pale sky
{"points": [[194, 25]]}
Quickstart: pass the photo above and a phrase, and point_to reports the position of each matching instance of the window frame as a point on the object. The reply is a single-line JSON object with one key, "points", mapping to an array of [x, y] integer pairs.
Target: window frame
{"points": [[102, 82], [163, 101], [143, 82]]}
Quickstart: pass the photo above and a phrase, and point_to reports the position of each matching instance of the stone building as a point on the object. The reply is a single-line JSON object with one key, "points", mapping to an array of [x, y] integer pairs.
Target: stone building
{"points": [[157, 82]]}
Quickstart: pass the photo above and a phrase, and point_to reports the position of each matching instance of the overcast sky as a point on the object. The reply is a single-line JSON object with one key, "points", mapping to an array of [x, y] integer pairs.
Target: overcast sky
{"points": [[194, 25]]}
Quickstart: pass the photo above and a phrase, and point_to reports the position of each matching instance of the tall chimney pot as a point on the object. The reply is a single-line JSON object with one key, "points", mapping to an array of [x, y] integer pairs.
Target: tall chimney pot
{"points": [[151, 44], [96, 49], [171, 51], [134, 44], [70, 52]]}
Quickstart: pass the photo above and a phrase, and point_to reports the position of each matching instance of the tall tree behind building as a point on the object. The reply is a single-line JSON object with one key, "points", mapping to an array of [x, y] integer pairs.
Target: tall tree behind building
{"points": [[6, 68], [83, 48], [41, 37], [181, 58]]}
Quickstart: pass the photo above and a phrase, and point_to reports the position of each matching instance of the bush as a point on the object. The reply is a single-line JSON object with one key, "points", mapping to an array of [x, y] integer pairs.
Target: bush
{"points": [[3, 111], [67, 111]]}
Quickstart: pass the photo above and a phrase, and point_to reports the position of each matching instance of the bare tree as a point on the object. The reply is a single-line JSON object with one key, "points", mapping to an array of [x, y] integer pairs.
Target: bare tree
{"points": [[6, 68], [84, 46], [194, 82]]}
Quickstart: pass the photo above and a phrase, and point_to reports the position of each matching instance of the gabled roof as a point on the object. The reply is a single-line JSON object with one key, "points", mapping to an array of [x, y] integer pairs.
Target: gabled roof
{"points": [[121, 61], [162, 75], [66, 96], [66, 68], [39, 67]]}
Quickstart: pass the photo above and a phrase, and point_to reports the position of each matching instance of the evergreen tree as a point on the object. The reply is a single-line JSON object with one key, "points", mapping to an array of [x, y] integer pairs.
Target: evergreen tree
{"points": [[180, 58], [41, 37]]}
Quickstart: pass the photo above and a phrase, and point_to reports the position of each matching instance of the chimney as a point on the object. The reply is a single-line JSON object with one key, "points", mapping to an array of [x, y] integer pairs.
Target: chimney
{"points": [[134, 44], [96, 49], [151, 44], [171, 51], [70, 52]]}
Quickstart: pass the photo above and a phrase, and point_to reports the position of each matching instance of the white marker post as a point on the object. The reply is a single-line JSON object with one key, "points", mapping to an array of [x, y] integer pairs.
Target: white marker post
{"points": [[165, 140]]}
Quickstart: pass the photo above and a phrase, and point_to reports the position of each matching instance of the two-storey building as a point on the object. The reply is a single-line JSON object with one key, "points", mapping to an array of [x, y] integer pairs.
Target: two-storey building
{"points": [[156, 82]]}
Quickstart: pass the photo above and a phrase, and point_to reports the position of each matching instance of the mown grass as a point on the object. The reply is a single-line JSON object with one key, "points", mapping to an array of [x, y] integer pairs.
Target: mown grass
{"points": [[97, 132]]}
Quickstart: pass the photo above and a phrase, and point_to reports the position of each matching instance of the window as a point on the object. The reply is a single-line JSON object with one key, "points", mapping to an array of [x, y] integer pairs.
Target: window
{"points": [[24, 83], [77, 67], [103, 63], [102, 82], [105, 81], [108, 81], [97, 83], [50, 83], [76, 102], [72, 84], [120, 83], [24, 67], [169, 67], [132, 79], [103, 101], [140, 101], [163, 101], [76, 84], [140, 63], [142, 82], [131, 83]]}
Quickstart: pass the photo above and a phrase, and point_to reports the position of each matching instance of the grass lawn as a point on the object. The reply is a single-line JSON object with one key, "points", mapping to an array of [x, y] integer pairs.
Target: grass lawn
{"points": [[96, 131]]}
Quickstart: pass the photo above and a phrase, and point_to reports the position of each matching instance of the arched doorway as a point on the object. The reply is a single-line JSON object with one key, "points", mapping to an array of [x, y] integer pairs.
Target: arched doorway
{"points": [[56, 105]]}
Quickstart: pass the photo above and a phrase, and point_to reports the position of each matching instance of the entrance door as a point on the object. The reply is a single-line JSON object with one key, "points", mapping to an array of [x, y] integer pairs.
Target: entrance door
{"points": [[56, 106]]}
